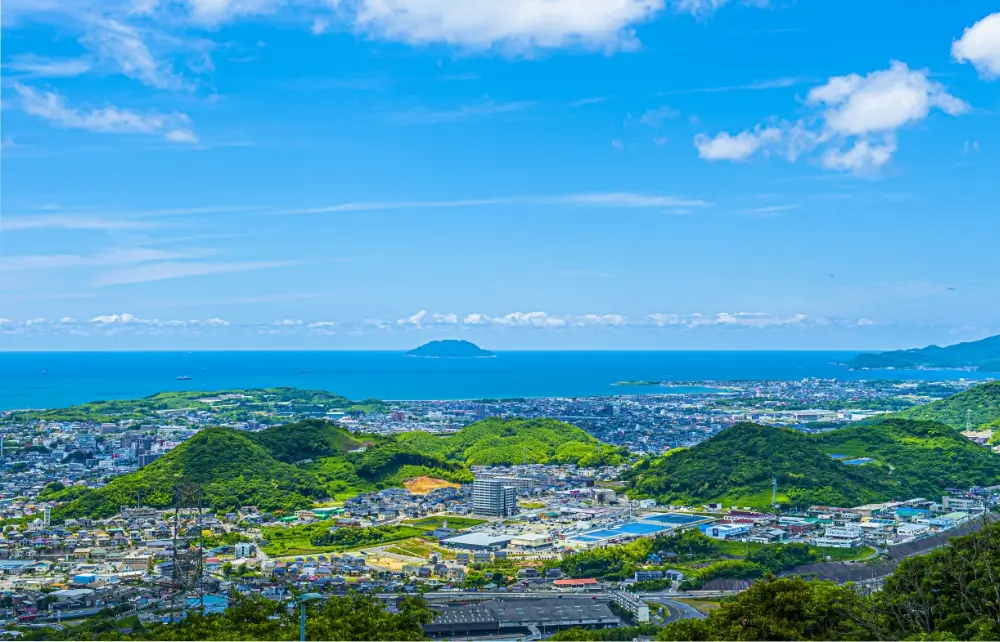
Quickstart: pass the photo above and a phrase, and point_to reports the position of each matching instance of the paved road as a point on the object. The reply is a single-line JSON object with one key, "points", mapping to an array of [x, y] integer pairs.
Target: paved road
{"points": [[677, 610]]}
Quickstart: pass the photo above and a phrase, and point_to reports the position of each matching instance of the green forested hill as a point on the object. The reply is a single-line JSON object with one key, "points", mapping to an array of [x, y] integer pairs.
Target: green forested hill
{"points": [[237, 468], [912, 458], [503, 441], [918, 458], [232, 468], [983, 400], [735, 467], [309, 439]]}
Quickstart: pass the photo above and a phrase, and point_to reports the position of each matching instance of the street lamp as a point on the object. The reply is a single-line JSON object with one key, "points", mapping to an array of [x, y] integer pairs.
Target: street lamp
{"points": [[305, 597]]}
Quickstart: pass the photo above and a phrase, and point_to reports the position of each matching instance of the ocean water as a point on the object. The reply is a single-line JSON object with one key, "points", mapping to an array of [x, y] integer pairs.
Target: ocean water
{"points": [[56, 379]]}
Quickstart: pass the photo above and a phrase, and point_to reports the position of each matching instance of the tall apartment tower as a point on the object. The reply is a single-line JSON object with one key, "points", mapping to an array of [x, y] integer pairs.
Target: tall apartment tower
{"points": [[494, 497]]}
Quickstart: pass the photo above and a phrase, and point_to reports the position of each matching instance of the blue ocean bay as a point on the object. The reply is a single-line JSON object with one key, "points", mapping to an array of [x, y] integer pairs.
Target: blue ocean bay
{"points": [[56, 379]]}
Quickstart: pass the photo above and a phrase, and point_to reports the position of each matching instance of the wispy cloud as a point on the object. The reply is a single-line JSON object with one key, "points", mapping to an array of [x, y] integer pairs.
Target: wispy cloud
{"points": [[770, 209], [182, 269], [13, 224], [111, 257], [588, 101], [51, 106], [30, 65], [776, 83], [596, 199], [485, 109]]}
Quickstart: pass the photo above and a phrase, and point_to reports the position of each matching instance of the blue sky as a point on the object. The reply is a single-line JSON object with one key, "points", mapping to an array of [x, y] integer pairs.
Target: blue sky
{"points": [[528, 174]]}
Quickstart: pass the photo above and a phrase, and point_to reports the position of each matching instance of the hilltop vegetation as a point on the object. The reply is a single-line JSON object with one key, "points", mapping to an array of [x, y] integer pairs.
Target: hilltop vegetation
{"points": [[309, 439], [983, 355], [496, 442], [293, 466], [232, 468], [918, 458], [983, 401], [912, 458], [736, 466]]}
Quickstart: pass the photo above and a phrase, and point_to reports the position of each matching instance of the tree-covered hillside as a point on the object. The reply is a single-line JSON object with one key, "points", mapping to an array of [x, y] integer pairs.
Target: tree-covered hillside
{"points": [[493, 442], [736, 467], [309, 439], [983, 401], [294, 465], [232, 469], [917, 458], [911, 458]]}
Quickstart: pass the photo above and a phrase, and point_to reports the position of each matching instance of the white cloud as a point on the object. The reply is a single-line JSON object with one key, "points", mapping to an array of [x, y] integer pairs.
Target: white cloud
{"points": [[117, 319], [595, 199], [882, 101], [855, 121], [123, 45], [181, 136], [61, 222], [111, 257], [36, 66], [863, 155], [601, 320], [322, 324], [484, 109], [213, 12], [182, 269], [770, 209], [515, 25], [110, 120], [980, 45], [738, 147], [532, 319], [289, 322], [739, 319], [319, 26], [701, 8], [654, 117]]}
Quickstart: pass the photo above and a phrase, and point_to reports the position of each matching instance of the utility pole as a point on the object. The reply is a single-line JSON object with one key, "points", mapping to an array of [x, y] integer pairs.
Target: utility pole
{"points": [[774, 491]]}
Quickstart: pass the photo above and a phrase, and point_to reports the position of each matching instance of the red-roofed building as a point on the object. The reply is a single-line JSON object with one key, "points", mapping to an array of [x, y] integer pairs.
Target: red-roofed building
{"points": [[583, 581]]}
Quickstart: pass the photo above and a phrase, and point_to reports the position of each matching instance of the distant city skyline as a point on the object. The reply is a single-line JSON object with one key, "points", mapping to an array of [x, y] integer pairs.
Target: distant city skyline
{"points": [[645, 174]]}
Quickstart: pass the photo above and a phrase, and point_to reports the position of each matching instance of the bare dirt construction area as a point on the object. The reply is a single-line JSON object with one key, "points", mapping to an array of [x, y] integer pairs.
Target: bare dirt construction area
{"points": [[424, 485]]}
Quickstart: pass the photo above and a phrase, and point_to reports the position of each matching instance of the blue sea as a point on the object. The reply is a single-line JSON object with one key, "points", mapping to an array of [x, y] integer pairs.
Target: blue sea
{"points": [[57, 379]]}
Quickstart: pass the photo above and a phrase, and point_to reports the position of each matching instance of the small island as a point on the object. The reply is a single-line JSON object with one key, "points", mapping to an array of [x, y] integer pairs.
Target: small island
{"points": [[450, 349]]}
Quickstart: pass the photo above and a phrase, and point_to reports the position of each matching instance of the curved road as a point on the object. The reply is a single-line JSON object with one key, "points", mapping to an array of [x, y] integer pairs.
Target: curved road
{"points": [[677, 610]]}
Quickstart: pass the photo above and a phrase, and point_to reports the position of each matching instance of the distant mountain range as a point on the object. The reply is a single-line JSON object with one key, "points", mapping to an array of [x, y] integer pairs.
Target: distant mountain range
{"points": [[450, 349], [983, 355]]}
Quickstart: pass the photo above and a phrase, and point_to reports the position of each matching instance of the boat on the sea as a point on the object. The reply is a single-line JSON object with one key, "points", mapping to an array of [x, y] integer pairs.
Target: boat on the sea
{"points": [[183, 378]]}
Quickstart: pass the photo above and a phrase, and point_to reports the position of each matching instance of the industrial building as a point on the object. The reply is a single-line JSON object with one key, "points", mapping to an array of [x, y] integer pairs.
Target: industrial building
{"points": [[499, 617]]}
